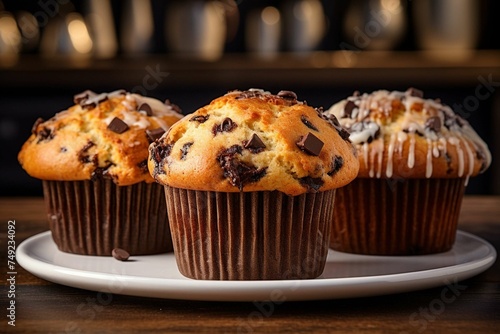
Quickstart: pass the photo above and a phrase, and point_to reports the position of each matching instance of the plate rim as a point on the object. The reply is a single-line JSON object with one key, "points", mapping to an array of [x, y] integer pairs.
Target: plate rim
{"points": [[252, 290]]}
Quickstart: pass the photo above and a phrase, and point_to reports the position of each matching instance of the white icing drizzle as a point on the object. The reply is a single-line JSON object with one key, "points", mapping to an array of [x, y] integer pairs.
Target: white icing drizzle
{"points": [[159, 108], [460, 153], [411, 151], [428, 165], [366, 149], [390, 154], [363, 136], [417, 112], [133, 117]]}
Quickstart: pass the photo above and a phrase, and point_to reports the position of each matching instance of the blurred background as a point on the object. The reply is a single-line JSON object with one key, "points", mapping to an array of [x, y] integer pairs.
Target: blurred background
{"points": [[192, 51]]}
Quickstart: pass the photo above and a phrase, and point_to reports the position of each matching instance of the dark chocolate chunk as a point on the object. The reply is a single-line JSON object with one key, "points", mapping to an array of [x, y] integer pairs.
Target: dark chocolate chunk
{"points": [[415, 92], [158, 153], [433, 123], [81, 97], [175, 107], [199, 118], [287, 95], [82, 154], [118, 126], [238, 172], [311, 183], [64, 149], [337, 164], [161, 152], [146, 108], [100, 173], [255, 144], [185, 149], [310, 144], [308, 123], [227, 125], [143, 166], [335, 123], [348, 108], [92, 101], [45, 134], [249, 94], [120, 254], [35, 126], [154, 134]]}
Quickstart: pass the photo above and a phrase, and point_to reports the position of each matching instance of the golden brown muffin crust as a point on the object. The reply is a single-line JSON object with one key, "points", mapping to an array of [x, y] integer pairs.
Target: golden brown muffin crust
{"points": [[254, 141], [403, 135], [86, 141]]}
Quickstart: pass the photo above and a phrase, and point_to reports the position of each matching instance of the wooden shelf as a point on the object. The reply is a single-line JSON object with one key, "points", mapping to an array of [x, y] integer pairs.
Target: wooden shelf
{"points": [[336, 68]]}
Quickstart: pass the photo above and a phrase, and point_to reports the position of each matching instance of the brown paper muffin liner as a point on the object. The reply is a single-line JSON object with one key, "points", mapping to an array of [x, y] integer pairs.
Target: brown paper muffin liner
{"points": [[93, 217], [391, 217], [249, 236]]}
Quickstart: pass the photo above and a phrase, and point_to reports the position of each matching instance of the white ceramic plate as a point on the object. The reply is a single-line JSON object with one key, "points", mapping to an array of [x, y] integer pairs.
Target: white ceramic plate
{"points": [[345, 275]]}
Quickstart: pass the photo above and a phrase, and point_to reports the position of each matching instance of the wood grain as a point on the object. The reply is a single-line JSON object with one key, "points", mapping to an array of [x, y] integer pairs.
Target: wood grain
{"points": [[46, 307]]}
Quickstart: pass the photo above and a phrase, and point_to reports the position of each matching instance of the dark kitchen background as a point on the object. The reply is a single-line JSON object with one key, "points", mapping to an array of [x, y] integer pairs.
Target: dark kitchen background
{"points": [[193, 51]]}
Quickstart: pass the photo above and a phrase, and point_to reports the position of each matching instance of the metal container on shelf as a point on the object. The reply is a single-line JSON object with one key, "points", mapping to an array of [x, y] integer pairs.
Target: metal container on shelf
{"points": [[447, 28], [196, 29]]}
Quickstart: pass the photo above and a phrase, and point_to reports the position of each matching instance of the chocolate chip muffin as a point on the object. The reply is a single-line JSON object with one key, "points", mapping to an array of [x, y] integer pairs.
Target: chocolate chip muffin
{"points": [[416, 157], [250, 182], [92, 159]]}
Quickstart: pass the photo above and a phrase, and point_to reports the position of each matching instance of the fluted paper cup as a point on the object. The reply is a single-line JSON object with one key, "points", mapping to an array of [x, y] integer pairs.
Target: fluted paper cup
{"points": [[391, 217], [93, 217], [249, 235]]}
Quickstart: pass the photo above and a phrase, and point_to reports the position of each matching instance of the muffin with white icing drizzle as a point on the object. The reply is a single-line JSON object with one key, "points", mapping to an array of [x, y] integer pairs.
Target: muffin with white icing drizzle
{"points": [[92, 160], [416, 157]]}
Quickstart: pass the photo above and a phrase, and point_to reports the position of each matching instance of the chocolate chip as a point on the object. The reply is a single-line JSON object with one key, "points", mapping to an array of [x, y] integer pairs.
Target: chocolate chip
{"points": [[143, 166], [120, 254], [64, 149], [255, 144], [81, 97], [82, 154], [249, 94], [45, 134], [35, 126], [238, 172], [330, 118], [158, 153], [415, 92], [89, 99], [161, 152], [308, 123], [100, 173], [310, 144], [433, 123], [199, 118], [146, 108], [337, 164], [287, 95], [311, 183], [175, 107], [185, 149], [227, 125], [118, 126], [154, 134], [349, 108]]}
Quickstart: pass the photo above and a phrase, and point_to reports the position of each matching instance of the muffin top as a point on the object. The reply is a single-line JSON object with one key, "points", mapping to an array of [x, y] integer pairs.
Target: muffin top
{"points": [[102, 136], [403, 135], [255, 141]]}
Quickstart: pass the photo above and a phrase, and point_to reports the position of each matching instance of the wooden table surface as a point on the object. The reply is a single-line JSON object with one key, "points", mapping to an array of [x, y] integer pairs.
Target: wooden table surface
{"points": [[41, 306]]}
